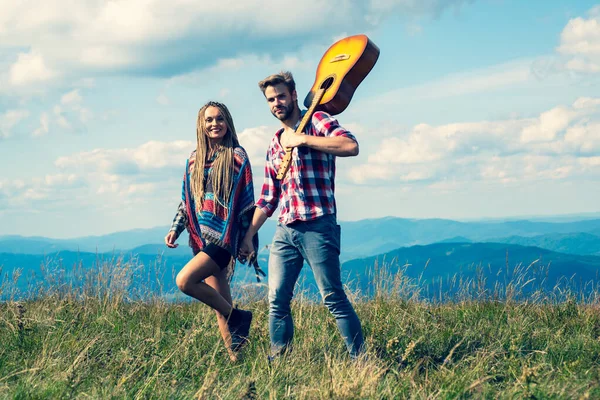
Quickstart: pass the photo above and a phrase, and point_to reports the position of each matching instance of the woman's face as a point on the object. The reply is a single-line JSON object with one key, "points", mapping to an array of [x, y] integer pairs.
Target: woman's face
{"points": [[214, 124]]}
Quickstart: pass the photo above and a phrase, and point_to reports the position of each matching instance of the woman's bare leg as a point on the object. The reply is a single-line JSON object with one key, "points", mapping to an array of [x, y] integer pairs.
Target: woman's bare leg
{"points": [[220, 282], [190, 281]]}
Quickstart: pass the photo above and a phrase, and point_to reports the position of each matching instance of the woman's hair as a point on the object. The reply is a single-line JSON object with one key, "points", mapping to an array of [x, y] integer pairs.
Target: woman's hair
{"points": [[222, 170]]}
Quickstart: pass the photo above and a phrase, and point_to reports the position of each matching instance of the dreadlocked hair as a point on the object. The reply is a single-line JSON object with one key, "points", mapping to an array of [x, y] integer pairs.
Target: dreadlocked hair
{"points": [[221, 173]]}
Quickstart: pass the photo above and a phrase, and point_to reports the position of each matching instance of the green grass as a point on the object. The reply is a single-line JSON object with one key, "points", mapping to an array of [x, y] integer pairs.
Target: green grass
{"points": [[102, 345]]}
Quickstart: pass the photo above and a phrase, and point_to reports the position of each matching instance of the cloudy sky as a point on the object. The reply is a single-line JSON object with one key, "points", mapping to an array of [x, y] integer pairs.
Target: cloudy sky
{"points": [[475, 108]]}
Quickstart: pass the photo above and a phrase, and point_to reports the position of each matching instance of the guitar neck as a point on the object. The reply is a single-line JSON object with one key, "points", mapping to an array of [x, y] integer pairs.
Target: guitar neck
{"points": [[287, 159]]}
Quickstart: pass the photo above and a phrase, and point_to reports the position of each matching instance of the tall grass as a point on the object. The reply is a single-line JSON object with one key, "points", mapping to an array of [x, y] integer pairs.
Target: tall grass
{"points": [[98, 336]]}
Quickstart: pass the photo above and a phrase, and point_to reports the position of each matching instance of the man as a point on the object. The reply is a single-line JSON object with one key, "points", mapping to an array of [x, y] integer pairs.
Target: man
{"points": [[307, 228]]}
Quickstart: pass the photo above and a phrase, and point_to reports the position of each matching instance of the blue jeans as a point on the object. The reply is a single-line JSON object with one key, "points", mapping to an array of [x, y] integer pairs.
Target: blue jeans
{"points": [[317, 242]]}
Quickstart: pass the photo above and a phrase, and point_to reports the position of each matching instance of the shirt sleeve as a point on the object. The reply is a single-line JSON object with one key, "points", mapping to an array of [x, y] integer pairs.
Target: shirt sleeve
{"points": [[271, 188], [180, 220], [244, 195], [326, 125]]}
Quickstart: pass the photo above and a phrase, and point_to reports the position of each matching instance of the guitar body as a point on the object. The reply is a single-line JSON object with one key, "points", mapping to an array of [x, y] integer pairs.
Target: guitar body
{"points": [[341, 69]]}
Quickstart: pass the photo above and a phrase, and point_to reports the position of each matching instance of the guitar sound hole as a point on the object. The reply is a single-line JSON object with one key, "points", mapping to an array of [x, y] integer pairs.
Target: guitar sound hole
{"points": [[327, 83]]}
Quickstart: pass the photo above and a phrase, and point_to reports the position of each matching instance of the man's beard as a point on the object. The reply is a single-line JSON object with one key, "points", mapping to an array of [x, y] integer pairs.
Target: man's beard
{"points": [[287, 112]]}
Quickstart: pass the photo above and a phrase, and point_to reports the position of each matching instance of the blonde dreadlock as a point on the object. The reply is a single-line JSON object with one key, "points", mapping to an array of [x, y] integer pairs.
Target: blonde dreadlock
{"points": [[222, 170]]}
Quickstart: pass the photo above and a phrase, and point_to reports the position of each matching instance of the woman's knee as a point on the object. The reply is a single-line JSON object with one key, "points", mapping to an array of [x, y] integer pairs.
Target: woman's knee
{"points": [[183, 282]]}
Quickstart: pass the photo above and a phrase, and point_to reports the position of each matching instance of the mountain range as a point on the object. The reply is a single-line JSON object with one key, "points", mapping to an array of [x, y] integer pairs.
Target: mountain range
{"points": [[432, 250], [359, 238]]}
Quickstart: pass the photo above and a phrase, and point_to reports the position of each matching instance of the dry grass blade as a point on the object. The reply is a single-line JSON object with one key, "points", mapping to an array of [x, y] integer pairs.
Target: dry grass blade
{"points": [[4, 378], [154, 376], [80, 356], [478, 382], [448, 358]]}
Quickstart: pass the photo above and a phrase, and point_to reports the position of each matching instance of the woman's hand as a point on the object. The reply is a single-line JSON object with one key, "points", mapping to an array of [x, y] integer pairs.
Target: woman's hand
{"points": [[170, 239]]}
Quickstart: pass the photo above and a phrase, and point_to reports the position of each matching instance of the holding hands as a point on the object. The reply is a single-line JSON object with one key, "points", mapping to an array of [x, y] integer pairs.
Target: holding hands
{"points": [[247, 253]]}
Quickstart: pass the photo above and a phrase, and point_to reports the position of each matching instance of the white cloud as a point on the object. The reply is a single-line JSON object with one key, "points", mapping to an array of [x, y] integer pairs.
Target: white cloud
{"points": [[69, 114], [44, 125], [19, 193], [580, 40], [154, 156], [9, 120], [117, 178], [256, 141], [70, 98], [62, 181], [245, 61], [168, 38], [30, 68], [558, 144], [163, 100], [146, 158], [156, 168], [61, 120], [224, 92], [549, 124], [497, 77]]}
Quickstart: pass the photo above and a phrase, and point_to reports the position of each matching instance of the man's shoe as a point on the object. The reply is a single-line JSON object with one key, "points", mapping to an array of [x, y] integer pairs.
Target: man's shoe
{"points": [[239, 327]]}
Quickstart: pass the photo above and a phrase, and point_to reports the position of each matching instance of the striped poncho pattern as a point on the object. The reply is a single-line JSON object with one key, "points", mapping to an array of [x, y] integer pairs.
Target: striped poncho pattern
{"points": [[222, 224]]}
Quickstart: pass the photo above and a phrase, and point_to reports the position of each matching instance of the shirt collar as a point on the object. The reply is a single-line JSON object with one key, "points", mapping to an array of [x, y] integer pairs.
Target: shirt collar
{"points": [[280, 131]]}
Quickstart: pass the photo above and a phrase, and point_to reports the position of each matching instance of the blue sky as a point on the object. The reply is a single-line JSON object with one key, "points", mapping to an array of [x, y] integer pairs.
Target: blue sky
{"points": [[475, 109]]}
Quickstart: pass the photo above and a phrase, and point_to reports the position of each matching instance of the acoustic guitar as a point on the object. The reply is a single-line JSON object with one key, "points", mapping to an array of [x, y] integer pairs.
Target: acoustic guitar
{"points": [[341, 69]]}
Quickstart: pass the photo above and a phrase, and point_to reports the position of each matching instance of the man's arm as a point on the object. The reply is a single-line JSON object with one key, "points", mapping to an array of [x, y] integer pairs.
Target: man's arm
{"points": [[265, 206], [258, 219], [340, 146], [329, 137], [247, 246]]}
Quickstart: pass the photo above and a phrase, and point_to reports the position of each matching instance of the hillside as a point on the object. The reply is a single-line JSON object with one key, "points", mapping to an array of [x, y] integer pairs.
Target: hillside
{"points": [[444, 263]]}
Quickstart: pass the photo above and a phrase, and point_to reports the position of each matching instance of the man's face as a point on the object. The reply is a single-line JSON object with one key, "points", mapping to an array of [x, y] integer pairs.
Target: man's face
{"points": [[281, 101]]}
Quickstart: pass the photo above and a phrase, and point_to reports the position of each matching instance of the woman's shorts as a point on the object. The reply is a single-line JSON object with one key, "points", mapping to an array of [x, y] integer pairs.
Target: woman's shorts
{"points": [[218, 254]]}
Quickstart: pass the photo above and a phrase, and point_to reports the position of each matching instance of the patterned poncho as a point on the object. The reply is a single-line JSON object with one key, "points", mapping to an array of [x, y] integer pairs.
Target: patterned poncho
{"points": [[222, 224]]}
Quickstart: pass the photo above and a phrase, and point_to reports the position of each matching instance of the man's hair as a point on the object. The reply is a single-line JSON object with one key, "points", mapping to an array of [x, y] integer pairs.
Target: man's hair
{"points": [[282, 77]]}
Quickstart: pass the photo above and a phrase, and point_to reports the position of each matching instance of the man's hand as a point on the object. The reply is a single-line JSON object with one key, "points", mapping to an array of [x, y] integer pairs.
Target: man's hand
{"points": [[170, 240], [291, 139]]}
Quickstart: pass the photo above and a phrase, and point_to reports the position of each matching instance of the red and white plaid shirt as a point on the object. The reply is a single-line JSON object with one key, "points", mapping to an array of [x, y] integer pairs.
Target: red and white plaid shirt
{"points": [[307, 190]]}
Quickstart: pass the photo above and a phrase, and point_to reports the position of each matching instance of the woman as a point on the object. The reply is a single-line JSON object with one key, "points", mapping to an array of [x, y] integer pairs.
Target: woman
{"points": [[217, 202]]}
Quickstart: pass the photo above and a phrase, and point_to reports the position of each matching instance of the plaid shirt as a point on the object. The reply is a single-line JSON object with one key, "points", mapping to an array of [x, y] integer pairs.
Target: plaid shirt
{"points": [[307, 190]]}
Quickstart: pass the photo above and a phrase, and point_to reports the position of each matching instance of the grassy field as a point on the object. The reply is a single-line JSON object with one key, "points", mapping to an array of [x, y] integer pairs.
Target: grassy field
{"points": [[97, 343]]}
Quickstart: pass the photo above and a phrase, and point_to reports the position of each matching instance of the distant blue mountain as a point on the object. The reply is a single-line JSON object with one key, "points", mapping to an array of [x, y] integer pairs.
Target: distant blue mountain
{"points": [[436, 267], [359, 238], [144, 241], [571, 243], [441, 266], [412, 240], [366, 237]]}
